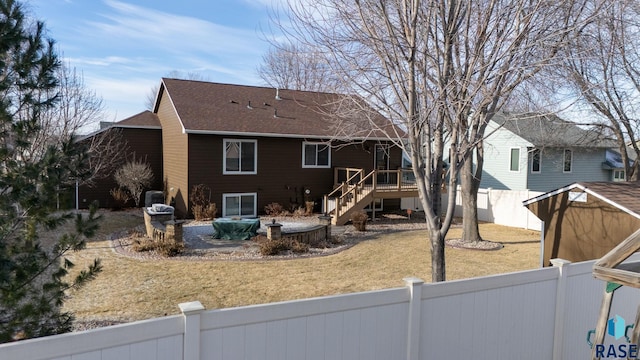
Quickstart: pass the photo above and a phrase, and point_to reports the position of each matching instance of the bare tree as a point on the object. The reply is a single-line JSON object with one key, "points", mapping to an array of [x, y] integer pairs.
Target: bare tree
{"points": [[77, 108], [297, 67], [603, 68], [440, 70], [105, 150]]}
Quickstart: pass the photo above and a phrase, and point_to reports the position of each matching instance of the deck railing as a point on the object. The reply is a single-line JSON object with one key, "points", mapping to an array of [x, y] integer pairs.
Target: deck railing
{"points": [[356, 186]]}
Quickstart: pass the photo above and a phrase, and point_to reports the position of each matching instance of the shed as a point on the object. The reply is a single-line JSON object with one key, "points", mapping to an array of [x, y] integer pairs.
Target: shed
{"points": [[585, 220]]}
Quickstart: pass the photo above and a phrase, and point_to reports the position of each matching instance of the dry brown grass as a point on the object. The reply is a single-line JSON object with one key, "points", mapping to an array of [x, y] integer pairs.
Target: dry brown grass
{"points": [[130, 289]]}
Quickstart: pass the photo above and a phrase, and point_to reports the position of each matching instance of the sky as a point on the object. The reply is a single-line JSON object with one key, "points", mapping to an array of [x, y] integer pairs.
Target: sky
{"points": [[124, 47]]}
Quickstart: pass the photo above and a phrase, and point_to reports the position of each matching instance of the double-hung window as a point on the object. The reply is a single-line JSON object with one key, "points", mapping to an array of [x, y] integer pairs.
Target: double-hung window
{"points": [[240, 156], [514, 159], [536, 157], [243, 205], [316, 155], [568, 161]]}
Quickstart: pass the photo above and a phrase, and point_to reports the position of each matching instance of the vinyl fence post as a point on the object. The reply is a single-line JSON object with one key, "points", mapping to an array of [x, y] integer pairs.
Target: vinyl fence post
{"points": [[191, 344], [561, 291], [414, 320]]}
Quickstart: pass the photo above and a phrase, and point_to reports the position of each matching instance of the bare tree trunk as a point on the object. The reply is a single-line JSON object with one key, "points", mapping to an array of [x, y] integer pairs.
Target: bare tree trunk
{"points": [[438, 270], [469, 185]]}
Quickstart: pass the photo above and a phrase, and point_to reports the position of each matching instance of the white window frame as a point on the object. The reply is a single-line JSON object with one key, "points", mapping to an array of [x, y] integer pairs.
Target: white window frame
{"points": [[239, 195], [564, 161], [539, 151], [316, 144], [618, 172], [239, 172], [511, 159]]}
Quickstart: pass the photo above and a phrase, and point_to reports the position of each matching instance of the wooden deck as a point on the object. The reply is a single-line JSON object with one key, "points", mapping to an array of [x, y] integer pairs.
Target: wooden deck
{"points": [[354, 190]]}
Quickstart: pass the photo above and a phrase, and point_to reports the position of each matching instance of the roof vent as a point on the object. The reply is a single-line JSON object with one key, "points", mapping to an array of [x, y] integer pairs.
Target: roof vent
{"points": [[233, 101], [278, 94], [249, 105], [275, 113]]}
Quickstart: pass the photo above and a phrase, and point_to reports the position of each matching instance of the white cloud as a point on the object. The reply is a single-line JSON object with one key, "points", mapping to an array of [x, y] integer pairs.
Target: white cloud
{"points": [[106, 61], [135, 26]]}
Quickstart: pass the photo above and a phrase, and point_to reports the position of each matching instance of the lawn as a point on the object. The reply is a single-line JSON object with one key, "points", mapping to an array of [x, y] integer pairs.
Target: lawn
{"points": [[130, 289]]}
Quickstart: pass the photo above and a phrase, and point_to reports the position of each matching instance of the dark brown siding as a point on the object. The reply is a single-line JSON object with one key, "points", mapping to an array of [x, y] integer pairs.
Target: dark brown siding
{"points": [[280, 176], [579, 231], [175, 158], [144, 144]]}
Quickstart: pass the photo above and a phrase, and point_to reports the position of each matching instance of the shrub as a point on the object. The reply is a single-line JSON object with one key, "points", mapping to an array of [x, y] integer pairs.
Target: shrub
{"points": [[275, 247], [201, 205], [299, 248], [120, 197], [165, 248], [359, 220], [300, 211], [309, 205], [134, 177], [274, 209]]}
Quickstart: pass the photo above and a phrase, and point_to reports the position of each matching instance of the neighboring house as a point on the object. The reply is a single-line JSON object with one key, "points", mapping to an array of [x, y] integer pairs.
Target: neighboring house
{"points": [[253, 146], [585, 220], [140, 136], [544, 152]]}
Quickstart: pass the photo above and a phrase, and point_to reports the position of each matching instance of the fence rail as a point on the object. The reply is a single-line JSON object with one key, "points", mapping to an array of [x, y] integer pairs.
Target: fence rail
{"points": [[537, 314]]}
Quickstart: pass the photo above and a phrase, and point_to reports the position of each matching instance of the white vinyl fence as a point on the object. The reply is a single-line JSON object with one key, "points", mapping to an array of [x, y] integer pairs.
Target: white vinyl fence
{"points": [[502, 207], [538, 314]]}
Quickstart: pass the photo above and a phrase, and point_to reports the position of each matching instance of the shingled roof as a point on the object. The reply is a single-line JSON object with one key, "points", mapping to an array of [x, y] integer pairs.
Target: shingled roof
{"points": [[622, 195], [550, 130], [145, 119], [214, 108]]}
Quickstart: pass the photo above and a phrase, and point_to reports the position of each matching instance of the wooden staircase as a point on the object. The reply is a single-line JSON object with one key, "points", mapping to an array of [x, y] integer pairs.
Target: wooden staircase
{"points": [[359, 190]]}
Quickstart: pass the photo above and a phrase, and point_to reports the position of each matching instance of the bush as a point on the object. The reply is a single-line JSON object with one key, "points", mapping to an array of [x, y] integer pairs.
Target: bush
{"points": [[165, 248], [300, 211], [359, 220], [275, 247], [299, 248], [134, 177], [309, 205], [274, 209], [201, 205], [120, 197]]}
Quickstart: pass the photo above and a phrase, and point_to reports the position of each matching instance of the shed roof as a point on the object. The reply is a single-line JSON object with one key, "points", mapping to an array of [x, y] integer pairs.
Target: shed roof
{"points": [[552, 131], [206, 107], [622, 195]]}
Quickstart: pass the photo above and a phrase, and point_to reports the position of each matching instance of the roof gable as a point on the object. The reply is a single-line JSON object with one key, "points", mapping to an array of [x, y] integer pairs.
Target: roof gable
{"points": [[549, 130], [622, 195], [143, 119], [205, 107]]}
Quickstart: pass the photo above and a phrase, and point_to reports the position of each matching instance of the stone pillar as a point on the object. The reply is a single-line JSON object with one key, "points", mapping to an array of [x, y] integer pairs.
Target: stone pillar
{"points": [[274, 230], [147, 223], [326, 221]]}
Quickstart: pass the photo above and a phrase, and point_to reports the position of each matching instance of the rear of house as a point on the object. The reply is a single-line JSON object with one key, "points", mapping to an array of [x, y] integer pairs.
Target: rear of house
{"points": [[252, 146], [138, 136], [541, 152]]}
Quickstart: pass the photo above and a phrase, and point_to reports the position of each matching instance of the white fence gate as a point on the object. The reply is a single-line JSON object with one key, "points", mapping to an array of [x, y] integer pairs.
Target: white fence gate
{"points": [[538, 314]]}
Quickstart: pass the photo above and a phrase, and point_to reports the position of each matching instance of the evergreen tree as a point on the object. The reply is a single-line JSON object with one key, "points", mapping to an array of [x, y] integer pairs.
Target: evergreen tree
{"points": [[32, 270]]}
